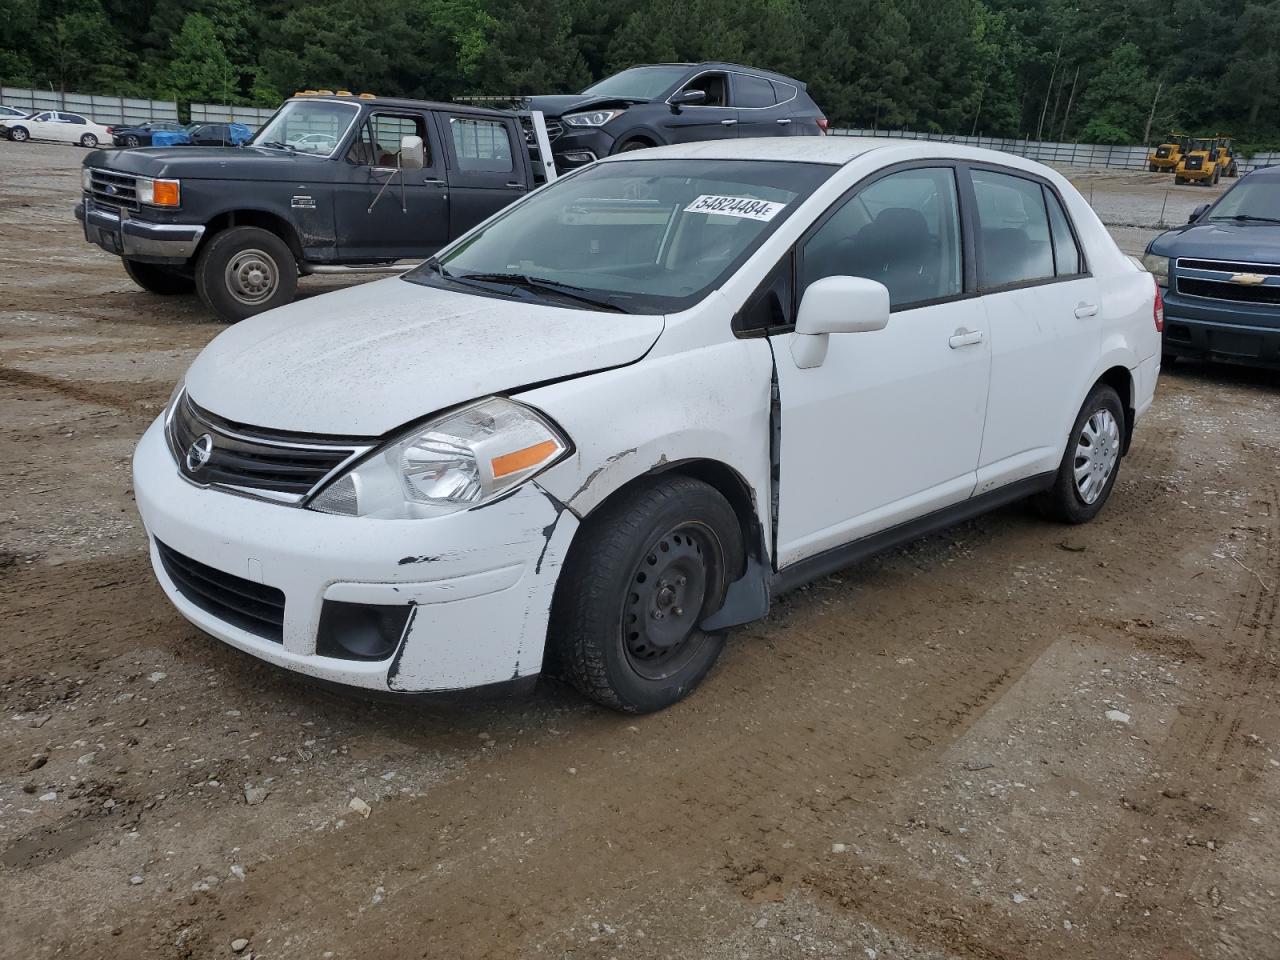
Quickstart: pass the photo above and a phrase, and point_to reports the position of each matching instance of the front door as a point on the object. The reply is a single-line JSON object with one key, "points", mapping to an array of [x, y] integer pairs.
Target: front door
{"points": [[382, 212], [715, 118], [889, 426], [486, 167], [1043, 316]]}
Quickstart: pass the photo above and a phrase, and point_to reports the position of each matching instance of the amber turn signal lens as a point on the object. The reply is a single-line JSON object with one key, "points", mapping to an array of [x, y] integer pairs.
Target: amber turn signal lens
{"points": [[510, 463], [166, 193]]}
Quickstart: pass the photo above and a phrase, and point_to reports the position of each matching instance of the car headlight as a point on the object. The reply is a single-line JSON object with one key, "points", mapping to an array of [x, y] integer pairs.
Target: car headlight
{"points": [[159, 193], [462, 460], [592, 118], [1158, 266]]}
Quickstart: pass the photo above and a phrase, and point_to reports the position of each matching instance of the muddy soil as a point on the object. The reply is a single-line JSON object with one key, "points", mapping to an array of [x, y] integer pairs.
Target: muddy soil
{"points": [[1012, 740]]}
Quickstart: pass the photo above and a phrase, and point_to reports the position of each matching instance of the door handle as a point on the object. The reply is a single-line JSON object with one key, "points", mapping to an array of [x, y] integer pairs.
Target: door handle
{"points": [[1084, 310], [433, 182], [965, 338], [728, 123], [785, 120], [514, 184]]}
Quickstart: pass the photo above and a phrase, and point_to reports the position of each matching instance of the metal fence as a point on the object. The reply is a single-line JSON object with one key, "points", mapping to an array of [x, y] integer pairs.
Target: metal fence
{"points": [[101, 109], [251, 117], [1095, 155]]}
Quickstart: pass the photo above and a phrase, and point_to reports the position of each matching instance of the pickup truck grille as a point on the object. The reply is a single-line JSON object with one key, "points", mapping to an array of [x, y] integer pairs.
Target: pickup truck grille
{"points": [[279, 467], [113, 189]]}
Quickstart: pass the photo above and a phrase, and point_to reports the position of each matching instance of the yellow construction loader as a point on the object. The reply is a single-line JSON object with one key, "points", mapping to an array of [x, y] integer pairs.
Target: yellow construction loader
{"points": [[1204, 162], [1165, 157]]}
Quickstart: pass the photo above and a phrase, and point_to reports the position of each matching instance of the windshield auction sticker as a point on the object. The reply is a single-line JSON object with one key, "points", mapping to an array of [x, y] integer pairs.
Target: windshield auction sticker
{"points": [[745, 208]]}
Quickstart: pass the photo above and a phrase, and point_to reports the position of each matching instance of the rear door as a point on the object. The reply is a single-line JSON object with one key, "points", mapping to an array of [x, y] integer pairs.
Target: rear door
{"points": [[486, 166], [714, 119], [758, 112], [381, 211], [1043, 314]]}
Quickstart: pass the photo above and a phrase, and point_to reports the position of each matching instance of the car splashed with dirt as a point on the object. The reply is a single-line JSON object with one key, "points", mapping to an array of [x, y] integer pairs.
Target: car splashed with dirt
{"points": [[1010, 740]]}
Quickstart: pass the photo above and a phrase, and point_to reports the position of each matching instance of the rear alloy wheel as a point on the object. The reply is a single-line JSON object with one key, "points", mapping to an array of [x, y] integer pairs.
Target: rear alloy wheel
{"points": [[647, 570], [89, 141], [132, 141], [1092, 460], [19, 134], [244, 271], [154, 278]]}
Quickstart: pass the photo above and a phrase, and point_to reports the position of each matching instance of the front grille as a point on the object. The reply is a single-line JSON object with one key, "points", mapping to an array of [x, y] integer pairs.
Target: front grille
{"points": [[275, 466], [1225, 290], [253, 607], [554, 130], [1195, 163], [115, 189], [1229, 266]]}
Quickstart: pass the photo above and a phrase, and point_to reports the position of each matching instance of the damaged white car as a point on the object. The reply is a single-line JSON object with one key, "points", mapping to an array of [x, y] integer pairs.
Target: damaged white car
{"points": [[617, 418]]}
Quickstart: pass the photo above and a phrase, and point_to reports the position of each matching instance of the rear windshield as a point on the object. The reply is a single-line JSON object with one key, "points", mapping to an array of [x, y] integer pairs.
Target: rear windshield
{"points": [[640, 236]]}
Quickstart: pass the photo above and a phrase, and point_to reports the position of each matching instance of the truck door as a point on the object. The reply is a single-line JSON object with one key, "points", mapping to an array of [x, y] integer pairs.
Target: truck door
{"points": [[487, 166], [382, 214]]}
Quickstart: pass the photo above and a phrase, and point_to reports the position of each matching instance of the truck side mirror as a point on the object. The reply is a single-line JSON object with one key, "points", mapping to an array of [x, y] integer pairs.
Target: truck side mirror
{"points": [[413, 156], [1197, 213], [686, 98]]}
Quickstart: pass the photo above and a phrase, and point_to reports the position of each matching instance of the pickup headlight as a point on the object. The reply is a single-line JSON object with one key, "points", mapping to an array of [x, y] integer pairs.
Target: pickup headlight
{"points": [[159, 193], [1158, 266], [86, 179], [592, 118], [464, 459]]}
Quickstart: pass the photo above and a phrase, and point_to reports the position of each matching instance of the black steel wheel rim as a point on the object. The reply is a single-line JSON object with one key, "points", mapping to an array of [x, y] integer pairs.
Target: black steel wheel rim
{"points": [[667, 597]]}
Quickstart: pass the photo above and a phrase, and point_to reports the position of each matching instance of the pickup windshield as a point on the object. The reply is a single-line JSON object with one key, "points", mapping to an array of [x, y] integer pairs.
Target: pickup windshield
{"points": [[639, 236], [638, 83], [310, 126]]}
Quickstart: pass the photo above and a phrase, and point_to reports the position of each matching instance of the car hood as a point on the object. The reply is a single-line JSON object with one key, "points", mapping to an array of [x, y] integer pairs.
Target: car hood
{"points": [[203, 163], [369, 359], [558, 106], [1248, 242]]}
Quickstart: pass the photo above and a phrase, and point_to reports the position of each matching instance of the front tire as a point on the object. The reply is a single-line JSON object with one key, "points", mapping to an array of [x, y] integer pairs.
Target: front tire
{"points": [[244, 271], [647, 569], [165, 281], [19, 134], [89, 141], [1091, 462]]}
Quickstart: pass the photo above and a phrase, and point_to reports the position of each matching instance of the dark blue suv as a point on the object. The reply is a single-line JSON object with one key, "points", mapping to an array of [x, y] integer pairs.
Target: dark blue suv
{"points": [[1220, 275]]}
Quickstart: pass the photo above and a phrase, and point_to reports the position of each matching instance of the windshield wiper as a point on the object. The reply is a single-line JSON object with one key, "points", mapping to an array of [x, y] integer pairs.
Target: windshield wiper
{"points": [[276, 145], [538, 284], [1249, 218]]}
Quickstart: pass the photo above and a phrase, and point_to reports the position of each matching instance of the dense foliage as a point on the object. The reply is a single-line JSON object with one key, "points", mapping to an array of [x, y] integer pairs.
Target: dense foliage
{"points": [[1094, 70]]}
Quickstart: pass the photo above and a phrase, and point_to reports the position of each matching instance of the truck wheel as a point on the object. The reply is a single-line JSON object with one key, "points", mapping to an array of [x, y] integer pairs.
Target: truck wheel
{"points": [[1154, 168], [1178, 179], [165, 281], [19, 134], [646, 571], [1092, 460], [245, 270]]}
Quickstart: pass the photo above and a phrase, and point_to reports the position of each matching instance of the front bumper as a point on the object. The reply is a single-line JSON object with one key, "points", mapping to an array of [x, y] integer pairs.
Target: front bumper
{"points": [[479, 582], [125, 236], [578, 147], [1202, 328]]}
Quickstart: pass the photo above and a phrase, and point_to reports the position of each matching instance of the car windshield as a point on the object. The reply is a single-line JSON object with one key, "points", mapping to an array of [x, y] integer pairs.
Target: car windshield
{"points": [[637, 236], [1250, 199], [638, 83], [298, 118]]}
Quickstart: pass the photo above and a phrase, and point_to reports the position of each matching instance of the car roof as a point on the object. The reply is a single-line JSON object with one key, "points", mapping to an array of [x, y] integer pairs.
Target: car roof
{"points": [[1265, 173], [725, 65], [400, 103]]}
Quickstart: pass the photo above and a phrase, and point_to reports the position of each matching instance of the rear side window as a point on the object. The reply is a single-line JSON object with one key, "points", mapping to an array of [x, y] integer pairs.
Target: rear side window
{"points": [[752, 91], [1013, 230], [1066, 252], [783, 91], [902, 231], [482, 146], [72, 118]]}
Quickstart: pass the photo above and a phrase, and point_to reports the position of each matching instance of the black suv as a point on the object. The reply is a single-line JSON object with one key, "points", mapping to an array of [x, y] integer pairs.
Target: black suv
{"points": [[657, 104]]}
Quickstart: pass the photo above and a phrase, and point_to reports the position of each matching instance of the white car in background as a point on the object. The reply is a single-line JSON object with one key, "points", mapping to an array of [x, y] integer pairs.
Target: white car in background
{"points": [[314, 143], [12, 113], [621, 415], [59, 126]]}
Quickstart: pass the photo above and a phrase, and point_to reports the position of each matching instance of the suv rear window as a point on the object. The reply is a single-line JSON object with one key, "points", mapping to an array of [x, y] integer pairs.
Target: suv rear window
{"points": [[752, 92]]}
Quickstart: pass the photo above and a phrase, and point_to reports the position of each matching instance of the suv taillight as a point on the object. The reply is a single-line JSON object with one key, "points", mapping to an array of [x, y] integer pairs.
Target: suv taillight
{"points": [[822, 124], [1157, 312]]}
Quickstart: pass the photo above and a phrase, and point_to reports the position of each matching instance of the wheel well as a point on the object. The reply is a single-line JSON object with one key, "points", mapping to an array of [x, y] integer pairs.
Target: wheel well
{"points": [[638, 138], [254, 218], [1120, 380]]}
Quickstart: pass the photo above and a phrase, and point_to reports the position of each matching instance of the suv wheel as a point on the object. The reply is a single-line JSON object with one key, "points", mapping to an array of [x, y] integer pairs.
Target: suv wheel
{"points": [[648, 569], [245, 270], [165, 281], [1092, 460]]}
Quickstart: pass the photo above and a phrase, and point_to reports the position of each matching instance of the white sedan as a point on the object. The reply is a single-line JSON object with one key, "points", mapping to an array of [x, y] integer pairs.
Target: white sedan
{"points": [[57, 125], [623, 414]]}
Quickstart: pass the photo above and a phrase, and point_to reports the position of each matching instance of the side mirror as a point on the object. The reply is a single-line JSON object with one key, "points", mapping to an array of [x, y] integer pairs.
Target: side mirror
{"points": [[836, 305], [1197, 213], [413, 156], [686, 98]]}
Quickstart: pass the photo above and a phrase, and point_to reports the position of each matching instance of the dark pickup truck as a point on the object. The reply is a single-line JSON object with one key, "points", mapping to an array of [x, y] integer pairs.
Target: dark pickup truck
{"points": [[328, 184]]}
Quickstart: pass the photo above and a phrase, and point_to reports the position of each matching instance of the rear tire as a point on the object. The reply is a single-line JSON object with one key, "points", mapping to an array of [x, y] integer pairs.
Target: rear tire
{"points": [[244, 271], [646, 570], [166, 281], [132, 141], [89, 141], [1154, 168], [1091, 462]]}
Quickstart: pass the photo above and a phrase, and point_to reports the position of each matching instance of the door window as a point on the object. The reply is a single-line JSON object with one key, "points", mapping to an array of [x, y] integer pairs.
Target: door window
{"points": [[42, 117], [481, 146], [377, 142], [752, 92], [902, 231], [72, 118], [1066, 252], [1013, 230], [714, 85]]}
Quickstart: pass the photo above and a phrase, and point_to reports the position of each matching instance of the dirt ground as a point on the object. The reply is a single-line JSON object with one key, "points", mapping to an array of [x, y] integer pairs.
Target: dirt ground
{"points": [[1011, 741]]}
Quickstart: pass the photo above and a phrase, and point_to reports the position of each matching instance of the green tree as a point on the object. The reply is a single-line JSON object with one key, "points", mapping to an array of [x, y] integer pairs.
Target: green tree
{"points": [[200, 69], [1118, 98]]}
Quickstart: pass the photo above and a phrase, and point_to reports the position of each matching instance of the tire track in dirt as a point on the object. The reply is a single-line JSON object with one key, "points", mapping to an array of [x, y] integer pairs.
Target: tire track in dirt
{"points": [[134, 398]]}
